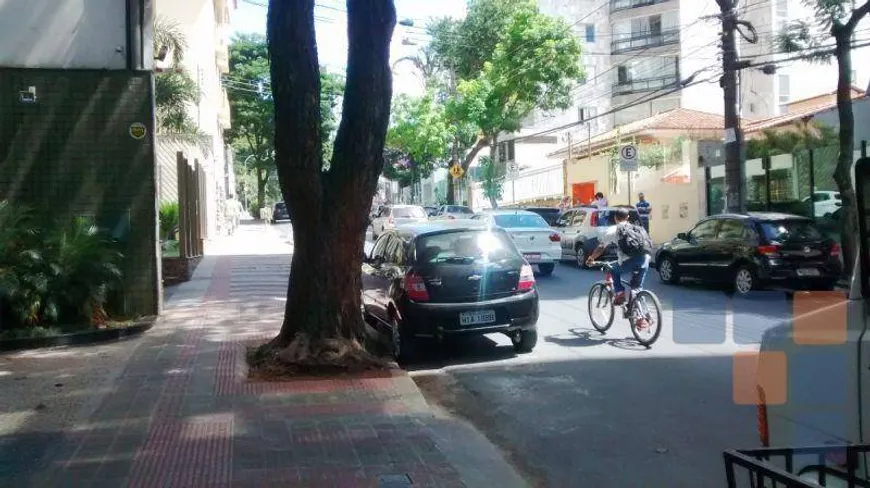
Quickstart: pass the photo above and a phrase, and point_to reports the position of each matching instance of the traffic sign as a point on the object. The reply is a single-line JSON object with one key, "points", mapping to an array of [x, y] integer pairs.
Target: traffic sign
{"points": [[456, 171], [628, 157]]}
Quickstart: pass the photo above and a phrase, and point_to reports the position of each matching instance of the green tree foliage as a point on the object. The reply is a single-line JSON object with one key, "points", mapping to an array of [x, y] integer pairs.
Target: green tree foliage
{"points": [[174, 91], [491, 180], [508, 59], [418, 138], [251, 107], [774, 142], [834, 20]]}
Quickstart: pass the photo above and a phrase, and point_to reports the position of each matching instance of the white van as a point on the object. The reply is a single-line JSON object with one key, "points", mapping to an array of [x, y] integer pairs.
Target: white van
{"points": [[813, 381]]}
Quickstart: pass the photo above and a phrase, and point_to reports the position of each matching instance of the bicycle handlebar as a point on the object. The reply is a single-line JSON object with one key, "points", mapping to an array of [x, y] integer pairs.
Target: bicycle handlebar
{"points": [[605, 264]]}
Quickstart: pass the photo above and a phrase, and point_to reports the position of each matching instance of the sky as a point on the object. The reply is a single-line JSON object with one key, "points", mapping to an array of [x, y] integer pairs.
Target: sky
{"points": [[331, 27]]}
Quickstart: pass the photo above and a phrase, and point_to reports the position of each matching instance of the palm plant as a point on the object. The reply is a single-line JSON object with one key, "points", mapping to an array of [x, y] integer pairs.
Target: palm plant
{"points": [[174, 90], [19, 258]]}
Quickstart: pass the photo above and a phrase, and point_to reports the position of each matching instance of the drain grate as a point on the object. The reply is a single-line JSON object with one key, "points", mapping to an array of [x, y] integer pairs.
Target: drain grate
{"points": [[394, 481]]}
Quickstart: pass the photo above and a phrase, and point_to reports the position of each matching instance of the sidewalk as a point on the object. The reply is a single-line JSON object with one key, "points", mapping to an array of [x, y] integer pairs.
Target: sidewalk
{"points": [[181, 412]]}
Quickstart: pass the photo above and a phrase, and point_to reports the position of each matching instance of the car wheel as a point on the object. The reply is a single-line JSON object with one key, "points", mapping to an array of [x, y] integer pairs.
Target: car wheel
{"points": [[403, 344], [744, 280], [580, 256], [668, 271], [546, 269], [525, 340]]}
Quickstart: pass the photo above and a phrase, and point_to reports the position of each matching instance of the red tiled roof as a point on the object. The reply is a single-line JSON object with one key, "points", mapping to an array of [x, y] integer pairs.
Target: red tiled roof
{"points": [[785, 119], [676, 119]]}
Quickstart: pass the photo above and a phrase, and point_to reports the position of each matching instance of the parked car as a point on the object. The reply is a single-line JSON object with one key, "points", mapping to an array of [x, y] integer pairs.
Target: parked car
{"points": [[392, 216], [280, 212], [749, 251], [550, 214], [445, 279], [825, 202], [451, 212], [531, 234], [581, 229], [431, 211]]}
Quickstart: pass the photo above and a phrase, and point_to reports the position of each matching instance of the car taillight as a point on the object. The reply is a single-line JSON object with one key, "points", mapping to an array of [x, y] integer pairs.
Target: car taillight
{"points": [[415, 287], [769, 250], [527, 278], [835, 250], [593, 219], [761, 416], [555, 237]]}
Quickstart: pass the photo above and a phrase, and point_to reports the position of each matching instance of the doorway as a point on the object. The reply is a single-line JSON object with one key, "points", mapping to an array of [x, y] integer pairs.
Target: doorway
{"points": [[582, 193]]}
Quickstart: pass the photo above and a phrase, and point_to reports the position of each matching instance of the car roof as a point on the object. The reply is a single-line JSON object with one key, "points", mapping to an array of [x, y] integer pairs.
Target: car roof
{"points": [[404, 206], [414, 230], [761, 216], [532, 209], [512, 211]]}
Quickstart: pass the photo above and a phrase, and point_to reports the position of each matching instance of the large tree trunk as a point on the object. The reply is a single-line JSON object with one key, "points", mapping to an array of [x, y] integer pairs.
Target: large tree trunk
{"points": [[262, 179], [843, 171], [493, 152], [322, 320]]}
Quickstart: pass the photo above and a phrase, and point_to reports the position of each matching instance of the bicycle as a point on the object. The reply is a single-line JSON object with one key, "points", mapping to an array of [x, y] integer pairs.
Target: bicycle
{"points": [[635, 308]]}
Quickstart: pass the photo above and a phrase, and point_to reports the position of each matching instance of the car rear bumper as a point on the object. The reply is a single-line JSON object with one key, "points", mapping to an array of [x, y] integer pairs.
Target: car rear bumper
{"points": [[827, 272], [518, 312]]}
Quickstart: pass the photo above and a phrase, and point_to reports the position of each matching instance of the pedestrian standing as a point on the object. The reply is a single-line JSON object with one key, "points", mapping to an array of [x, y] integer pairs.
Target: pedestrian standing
{"points": [[600, 201], [565, 204], [644, 209]]}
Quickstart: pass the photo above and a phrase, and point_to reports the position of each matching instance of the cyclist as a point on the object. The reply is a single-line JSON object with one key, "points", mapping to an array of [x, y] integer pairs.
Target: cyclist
{"points": [[633, 249]]}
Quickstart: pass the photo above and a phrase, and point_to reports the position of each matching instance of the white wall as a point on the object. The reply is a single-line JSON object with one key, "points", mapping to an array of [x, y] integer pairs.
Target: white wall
{"points": [[72, 34], [699, 50]]}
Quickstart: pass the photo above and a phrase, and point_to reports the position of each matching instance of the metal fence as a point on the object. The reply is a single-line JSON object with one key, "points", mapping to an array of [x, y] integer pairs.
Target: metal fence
{"points": [[796, 467], [645, 40]]}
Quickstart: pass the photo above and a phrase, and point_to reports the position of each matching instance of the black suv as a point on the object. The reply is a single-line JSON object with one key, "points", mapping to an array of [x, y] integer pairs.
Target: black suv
{"points": [[280, 212], [550, 214], [449, 278], [751, 250]]}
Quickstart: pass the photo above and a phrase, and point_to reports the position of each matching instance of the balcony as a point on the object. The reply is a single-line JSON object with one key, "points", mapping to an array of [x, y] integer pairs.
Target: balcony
{"points": [[646, 84], [224, 116], [617, 5], [645, 40]]}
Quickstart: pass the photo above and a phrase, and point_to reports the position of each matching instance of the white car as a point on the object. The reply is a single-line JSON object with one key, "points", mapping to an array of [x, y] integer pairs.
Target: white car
{"points": [[392, 216], [539, 244], [825, 202], [453, 212]]}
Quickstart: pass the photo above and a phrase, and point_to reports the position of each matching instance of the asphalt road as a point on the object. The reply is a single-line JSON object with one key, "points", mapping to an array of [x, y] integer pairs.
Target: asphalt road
{"points": [[586, 409]]}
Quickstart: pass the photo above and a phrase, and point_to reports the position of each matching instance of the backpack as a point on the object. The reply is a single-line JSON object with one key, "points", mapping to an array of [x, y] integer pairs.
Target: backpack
{"points": [[633, 240]]}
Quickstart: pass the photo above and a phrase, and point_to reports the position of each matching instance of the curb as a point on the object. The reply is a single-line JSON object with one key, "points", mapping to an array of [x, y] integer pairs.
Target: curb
{"points": [[80, 338]]}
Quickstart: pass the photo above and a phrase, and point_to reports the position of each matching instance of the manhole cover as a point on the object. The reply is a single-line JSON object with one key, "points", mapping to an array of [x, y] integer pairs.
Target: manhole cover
{"points": [[394, 481]]}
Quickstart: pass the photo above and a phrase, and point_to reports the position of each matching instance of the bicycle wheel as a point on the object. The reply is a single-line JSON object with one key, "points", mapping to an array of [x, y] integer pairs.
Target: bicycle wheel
{"points": [[646, 318], [601, 309]]}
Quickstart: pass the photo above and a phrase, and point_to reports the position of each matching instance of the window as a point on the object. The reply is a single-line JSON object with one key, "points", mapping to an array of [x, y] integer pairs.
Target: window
{"points": [[579, 217], [790, 231], [731, 229], [466, 246], [622, 75], [409, 213], [510, 151], [502, 152], [821, 197], [586, 113], [705, 230], [520, 220], [782, 9], [784, 89], [566, 219], [590, 32], [459, 209]]}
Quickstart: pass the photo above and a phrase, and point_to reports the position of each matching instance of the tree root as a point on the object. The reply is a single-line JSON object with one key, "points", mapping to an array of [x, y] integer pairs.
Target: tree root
{"points": [[304, 356]]}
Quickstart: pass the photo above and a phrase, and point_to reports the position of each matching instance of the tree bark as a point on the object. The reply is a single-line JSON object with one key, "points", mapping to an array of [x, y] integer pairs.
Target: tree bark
{"points": [[262, 179], [843, 171], [322, 320], [493, 152]]}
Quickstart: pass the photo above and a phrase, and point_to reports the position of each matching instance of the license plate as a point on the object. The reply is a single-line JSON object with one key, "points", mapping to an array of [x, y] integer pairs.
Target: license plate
{"points": [[477, 317], [532, 257], [808, 272]]}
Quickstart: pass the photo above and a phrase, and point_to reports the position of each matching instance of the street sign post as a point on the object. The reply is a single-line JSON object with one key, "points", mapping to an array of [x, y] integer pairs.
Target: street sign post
{"points": [[628, 157], [628, 163]]}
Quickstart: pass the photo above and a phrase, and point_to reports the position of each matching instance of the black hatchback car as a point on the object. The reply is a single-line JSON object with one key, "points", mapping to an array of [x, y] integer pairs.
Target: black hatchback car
{"points": [[749, 251], [449, 278]]}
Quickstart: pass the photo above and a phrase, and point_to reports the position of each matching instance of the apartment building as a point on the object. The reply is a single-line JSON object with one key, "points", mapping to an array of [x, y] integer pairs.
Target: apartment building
{"points": [[206, 27]]}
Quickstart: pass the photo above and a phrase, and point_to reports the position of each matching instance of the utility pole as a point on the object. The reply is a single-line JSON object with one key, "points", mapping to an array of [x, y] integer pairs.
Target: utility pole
{"points": [[734, 201]]}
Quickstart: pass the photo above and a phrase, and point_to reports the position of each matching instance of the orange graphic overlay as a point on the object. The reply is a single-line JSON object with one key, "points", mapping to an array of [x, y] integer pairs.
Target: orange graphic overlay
{"points": [[820, 318], [768, 369]]}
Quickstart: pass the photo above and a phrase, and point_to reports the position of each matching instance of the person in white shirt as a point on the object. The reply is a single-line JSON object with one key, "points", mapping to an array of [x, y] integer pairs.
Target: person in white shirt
{"points": [[600, 201], [636, 265]]}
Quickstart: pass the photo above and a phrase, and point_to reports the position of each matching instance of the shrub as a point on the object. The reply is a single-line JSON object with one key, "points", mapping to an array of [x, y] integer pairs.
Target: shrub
{"points": [[57, 275], [168, 219]]}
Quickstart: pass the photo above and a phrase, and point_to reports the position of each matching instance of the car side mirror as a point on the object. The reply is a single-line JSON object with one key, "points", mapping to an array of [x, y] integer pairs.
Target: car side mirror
{"points": [[683, 235]]}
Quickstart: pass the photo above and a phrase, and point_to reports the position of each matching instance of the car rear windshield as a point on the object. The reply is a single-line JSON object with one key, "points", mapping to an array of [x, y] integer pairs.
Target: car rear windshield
{"points": [[465, 247], [409, 212], [280, 206], [520, 220], [459, 209], [790, 231]]}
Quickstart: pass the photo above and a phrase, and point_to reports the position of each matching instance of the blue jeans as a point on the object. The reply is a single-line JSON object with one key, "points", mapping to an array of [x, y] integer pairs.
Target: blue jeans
{"points": [[637, 266]]}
